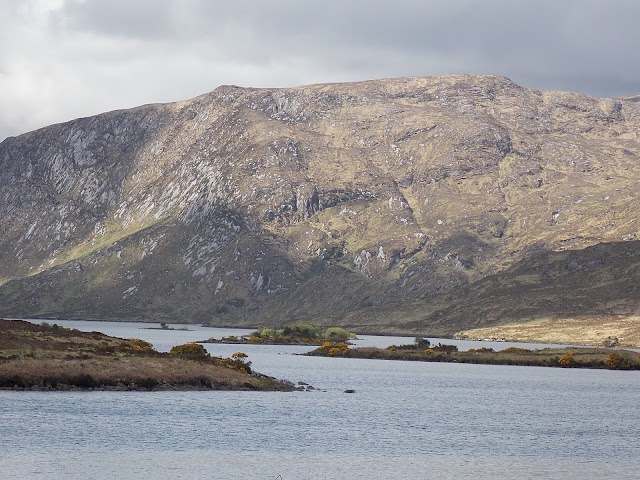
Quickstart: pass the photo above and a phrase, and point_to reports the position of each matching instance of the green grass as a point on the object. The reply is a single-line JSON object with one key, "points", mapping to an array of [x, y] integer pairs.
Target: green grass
{"points": [[115, 235]]}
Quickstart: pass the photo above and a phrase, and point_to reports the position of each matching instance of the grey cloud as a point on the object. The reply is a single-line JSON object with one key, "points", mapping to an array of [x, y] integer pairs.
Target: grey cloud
{"points": [[581, 45], [513, 37]]}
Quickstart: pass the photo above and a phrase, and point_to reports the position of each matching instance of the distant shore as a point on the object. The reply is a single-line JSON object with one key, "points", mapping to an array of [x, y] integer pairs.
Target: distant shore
{"points": [[570, 357], [249, 341], [304, 334]]}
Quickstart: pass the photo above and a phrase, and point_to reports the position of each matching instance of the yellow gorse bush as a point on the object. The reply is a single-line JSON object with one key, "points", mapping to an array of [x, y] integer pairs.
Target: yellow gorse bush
{"points": [[567, 360], [190, 349], [138, 345]]}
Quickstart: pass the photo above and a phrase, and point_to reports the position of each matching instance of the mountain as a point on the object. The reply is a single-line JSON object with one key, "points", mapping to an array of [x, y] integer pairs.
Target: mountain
{"points": [[433, 205]]}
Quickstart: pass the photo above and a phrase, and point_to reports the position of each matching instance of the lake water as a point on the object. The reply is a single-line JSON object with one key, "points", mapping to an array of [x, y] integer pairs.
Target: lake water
{"points": [[406, 420]]}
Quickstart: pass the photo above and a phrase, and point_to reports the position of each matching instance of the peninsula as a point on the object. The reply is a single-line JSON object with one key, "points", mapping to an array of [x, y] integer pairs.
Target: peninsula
{"points": [[50, 357], [570, 357]]}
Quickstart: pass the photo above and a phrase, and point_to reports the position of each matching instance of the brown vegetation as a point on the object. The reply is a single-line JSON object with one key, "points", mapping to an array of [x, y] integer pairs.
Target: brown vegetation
{"points": [[548, 357], [51, 357], [597, 330]]}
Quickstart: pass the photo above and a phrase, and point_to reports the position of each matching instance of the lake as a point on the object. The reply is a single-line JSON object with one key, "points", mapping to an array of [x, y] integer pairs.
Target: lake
{"points": [[405, 420]]}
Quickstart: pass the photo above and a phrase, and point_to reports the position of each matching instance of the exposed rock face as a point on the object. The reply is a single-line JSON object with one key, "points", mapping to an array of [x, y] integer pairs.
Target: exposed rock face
{"points": [[326, 202]]}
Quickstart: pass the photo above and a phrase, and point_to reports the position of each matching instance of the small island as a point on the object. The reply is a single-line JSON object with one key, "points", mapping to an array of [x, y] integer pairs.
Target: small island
{"points": [[50, 357], [294, 334], [422, 350], [165, 326]]}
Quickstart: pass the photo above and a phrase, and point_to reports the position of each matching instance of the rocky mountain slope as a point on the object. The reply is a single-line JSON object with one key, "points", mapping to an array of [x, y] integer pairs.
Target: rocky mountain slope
{"points": [[433, 205]]}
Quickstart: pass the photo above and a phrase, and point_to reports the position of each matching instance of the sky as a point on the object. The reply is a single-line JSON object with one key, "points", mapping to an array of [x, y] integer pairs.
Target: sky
{"points": [[63, 59]]}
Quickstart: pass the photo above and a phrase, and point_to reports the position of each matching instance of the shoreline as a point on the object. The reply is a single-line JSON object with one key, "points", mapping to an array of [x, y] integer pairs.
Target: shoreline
{"points": [[375, 332], [49, 357], [570, 357]]}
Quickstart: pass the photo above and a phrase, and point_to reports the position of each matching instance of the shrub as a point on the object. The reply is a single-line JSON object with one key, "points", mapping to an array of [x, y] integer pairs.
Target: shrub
{"points": [[303, 330], [445, 348], [192, 349], [54, 326], [337, 334], [238, 361], [516, 350], [567, 360], [239, 356], [265, 332], [138, 345], [481, 350], [334, 348], [616, 361]]}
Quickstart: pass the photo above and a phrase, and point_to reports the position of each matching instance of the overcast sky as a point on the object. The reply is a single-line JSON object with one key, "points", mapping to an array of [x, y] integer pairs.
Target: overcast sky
{"points": [[61, 59]]}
